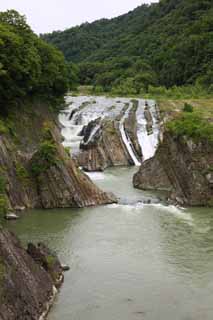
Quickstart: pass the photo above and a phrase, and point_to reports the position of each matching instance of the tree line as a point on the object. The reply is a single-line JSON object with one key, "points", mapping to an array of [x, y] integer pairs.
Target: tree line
{"points": [[168, 44]]}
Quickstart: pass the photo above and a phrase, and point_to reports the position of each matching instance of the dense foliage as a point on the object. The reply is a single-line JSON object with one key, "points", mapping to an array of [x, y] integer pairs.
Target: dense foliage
{"points": [[192, 125], [169, 43], [29, 66]]}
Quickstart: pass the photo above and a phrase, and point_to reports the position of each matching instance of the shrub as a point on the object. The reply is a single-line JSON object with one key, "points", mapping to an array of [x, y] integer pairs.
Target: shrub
{"points": [[193, 126], [67, 150], [3, 204], [3, 128], [21, 172], [188, 107], [44, 158]]}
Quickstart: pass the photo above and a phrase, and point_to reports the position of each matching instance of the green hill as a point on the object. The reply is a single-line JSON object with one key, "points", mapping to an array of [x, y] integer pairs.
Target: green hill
{"points": [[169, 43]]}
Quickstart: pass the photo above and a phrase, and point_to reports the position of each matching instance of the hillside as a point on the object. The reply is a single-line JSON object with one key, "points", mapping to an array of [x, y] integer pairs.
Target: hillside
{"points": [[169, 43]]}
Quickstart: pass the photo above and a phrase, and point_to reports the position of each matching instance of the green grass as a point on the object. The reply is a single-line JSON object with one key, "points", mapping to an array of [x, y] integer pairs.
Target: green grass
{"points": [[174, 93], [204, 107]]}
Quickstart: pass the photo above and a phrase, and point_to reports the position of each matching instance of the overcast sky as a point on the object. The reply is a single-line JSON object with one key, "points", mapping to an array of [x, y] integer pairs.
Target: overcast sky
{"points": [[48, 15]]}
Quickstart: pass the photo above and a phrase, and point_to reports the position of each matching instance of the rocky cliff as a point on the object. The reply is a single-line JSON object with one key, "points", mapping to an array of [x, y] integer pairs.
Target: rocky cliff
{"points": [[28, 279], [182, 168], [36, 172], [106, 148]]}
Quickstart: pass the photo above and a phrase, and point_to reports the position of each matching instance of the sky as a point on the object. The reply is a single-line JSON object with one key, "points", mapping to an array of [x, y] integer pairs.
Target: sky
{"points": [[48, 15]]}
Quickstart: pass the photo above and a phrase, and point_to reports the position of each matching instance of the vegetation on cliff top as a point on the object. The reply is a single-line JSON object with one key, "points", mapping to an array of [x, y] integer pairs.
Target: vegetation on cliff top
{"points": [[164, 45], [192, 125]]}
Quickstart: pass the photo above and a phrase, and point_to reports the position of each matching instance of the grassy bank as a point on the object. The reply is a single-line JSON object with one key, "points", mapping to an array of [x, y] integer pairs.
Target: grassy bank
{"points": [[204, 107]]}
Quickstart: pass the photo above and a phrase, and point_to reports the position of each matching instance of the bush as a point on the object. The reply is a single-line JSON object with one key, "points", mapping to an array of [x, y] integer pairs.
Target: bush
{"points": [[98, 90], [192, 126], [68, 151], [3, 204], [188, 107], [3, 128], [45, 157], [22, 173]]}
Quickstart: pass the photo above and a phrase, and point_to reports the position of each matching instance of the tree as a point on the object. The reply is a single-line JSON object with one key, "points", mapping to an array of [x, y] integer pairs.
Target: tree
{"points": [[29, 66]]}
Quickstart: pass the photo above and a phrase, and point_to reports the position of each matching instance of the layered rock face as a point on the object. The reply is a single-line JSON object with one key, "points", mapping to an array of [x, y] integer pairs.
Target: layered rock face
{"points": [[27, 280], [57, 184], [182, 168], [105, 132], [65, 185], [106, 149]]}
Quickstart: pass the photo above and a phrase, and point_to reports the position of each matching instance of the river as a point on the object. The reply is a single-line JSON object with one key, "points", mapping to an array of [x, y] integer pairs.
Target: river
{"points": [[128, 261]]}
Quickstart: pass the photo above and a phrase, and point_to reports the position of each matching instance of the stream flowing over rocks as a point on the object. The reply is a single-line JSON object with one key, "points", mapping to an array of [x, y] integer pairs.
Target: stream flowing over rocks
{"points": [[118, 253], [102, 132]]}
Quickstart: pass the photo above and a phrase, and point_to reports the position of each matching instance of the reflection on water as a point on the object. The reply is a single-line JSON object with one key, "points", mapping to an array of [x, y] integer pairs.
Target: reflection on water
{"points": [[128, 261]]}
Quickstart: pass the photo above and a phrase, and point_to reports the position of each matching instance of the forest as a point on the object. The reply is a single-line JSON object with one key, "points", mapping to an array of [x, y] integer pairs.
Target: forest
{"points": [[29, 67], [164, 45]]}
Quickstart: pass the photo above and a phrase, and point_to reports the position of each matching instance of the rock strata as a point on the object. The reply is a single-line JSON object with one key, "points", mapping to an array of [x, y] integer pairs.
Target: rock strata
{"points": [[27, 284], [182, 168], [59, 185], [106, 148]]}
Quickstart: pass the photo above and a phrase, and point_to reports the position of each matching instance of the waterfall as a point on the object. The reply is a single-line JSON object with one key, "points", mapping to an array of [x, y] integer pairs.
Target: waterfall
{"points": [[148, 142], [126, 139], [92, 134], [82, 110], [85, 109]]}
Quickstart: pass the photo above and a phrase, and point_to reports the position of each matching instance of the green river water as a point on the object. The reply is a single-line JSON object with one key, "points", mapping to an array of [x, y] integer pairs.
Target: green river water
{"points": [[128, 261]]}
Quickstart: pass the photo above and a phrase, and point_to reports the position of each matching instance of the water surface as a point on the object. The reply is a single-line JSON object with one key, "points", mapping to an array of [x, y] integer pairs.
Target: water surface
{"points": [[128, 261]]}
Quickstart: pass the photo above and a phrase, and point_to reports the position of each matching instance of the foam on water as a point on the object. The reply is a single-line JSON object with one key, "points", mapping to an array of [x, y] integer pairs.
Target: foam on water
{"points": [[96, 175], [177, 211]]}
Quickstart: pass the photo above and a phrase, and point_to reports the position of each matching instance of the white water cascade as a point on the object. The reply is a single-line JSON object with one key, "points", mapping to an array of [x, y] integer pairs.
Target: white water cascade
{"points": [[83, 109], [94, 108], [148, 142], [126, 139], [92, 134]]}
